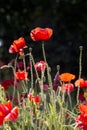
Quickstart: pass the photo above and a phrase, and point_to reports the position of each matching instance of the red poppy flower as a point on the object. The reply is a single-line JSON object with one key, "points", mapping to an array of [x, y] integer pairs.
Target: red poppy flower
{"points": [[1, 120], [40, 66], [17, 45], [66, 77], [40, 34], [80, 83], [85, 84], [82, 118], [69, 87], [34, 99], [13, 115], [5, 108], [21, 75], [84, 127], [7, 113], [81, 126]]}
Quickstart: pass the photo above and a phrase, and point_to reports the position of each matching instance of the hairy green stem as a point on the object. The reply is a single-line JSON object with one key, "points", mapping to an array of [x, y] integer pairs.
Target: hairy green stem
{"points": [[80, 71]]}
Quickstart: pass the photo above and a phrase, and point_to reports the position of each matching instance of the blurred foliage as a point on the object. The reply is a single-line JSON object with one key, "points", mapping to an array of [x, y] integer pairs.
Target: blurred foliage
{"points": [[68, 18]]}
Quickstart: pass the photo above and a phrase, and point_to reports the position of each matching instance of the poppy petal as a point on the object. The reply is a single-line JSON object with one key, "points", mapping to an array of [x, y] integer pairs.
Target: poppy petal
{"points": [[66, 77], [41, 34], [13, 115], [1, 120], [83, 109], [5, 108]]}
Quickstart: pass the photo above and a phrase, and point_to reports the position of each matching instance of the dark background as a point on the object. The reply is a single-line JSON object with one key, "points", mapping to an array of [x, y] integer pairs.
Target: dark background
{"points": [[67, 18]]}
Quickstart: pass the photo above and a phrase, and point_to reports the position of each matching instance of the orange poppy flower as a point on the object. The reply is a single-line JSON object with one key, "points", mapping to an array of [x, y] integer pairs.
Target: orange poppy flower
{"points": [[83, 109], [80, 83], [40, 66], [66, 77], [21, 75], [69, 87], [40, 34], [7, 113], [17, 45]]}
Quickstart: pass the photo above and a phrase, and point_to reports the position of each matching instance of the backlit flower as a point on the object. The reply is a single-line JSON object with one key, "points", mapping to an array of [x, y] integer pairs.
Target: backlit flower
{"points": [[17, 45], [40, 66], [80, 83], [66, 77], [69, 87], [7, 113], [21, 75], [40, 34]]}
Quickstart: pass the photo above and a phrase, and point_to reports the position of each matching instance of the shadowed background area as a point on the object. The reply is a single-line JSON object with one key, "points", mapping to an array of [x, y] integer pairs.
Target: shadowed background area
{"points": [[67, 18]]}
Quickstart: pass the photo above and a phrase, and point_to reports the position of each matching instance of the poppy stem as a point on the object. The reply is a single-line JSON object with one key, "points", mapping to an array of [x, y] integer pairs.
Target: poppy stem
{"points": [[48, 68], [80, 61], [70, 101], [31, 70], [80, 70], [43, 50], [14, 78], [37, 76]]}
